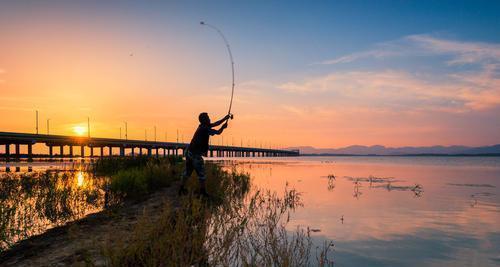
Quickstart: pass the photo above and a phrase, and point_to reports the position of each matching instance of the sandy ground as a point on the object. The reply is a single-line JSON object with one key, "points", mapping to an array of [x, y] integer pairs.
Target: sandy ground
{"points": [[81, 243]]}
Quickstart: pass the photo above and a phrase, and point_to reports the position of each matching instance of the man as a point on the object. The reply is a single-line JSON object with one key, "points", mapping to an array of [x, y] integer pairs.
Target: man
{"points": [[198, 148]]}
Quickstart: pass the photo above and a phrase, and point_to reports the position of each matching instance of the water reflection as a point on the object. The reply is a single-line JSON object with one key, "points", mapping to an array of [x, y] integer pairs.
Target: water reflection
{"points": [[394, 211], [31, 203]]}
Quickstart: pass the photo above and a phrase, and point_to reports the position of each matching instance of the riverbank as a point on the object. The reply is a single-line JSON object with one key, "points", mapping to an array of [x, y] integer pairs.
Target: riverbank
{"points": [[153, 226], [82, 242]]}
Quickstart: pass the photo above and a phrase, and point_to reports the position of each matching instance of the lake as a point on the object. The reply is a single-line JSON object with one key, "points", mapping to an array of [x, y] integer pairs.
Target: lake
{"points": [[393, 211], [378, 211]]}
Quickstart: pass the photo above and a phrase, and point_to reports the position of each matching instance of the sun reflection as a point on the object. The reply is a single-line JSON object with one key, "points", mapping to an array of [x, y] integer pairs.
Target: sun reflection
{"points": [[80, 179], [79, 130]]}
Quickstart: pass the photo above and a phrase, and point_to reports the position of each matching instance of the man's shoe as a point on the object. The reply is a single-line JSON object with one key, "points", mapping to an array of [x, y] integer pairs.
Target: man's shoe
{"points": [[204, 193], [182, 190]]}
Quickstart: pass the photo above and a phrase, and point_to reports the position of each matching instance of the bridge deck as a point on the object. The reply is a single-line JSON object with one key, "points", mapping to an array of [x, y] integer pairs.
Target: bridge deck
{"points": [[17, 139]]}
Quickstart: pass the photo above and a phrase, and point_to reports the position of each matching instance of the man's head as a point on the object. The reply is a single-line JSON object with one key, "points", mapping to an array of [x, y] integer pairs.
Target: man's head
{"points": [[204, 118]]}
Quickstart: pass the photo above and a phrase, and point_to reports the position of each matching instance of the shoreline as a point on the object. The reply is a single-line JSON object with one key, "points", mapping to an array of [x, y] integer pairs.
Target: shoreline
{"points": [[71, 244]]}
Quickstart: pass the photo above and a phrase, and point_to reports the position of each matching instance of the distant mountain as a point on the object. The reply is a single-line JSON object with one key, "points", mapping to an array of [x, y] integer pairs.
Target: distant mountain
{"points": [[382, 150]]}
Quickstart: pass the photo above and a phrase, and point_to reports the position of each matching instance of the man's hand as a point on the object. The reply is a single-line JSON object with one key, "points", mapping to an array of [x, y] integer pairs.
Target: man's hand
{"points": [[227, 117], [224, 126]]}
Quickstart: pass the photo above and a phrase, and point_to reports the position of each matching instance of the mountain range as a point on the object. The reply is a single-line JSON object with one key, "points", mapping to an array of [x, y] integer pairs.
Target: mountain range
{"points": [[408, 150]]}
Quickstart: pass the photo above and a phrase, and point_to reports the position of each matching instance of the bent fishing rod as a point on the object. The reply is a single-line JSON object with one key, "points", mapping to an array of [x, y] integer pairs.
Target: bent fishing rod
{"points": [[230, 59]]}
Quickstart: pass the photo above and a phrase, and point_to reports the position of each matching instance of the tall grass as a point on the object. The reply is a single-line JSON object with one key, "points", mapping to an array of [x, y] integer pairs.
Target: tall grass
{"points": [[137, 182], [112, 165], [237, 230]]}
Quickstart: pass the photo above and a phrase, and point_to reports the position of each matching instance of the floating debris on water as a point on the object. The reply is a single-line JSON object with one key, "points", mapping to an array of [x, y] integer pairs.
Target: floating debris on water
{"points": [[473, 185]]}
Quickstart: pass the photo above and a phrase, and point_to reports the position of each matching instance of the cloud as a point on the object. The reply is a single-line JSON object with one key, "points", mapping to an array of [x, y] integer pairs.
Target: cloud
{"points": [[378, 53], [401, 90], [460, 51], [463, 52], [444, 87]]}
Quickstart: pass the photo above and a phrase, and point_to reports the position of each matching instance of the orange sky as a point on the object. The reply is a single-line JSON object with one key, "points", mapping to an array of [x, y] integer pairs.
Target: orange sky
{"points": [[115, 67]]}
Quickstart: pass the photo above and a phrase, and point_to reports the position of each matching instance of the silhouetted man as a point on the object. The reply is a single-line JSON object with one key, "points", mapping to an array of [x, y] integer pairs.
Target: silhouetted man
{"points": [[198, 148]]}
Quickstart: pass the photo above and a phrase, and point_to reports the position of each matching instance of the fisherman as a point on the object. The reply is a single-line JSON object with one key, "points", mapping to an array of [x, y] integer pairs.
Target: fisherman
{"points": [[198, 148]]}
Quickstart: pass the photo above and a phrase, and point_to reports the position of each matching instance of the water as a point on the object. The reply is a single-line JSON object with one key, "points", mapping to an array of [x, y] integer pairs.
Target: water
{"points": [[414, 211], [378, 211], [33, 202]]}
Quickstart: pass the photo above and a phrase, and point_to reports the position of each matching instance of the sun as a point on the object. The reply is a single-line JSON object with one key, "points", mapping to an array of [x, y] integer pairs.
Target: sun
{"points": [[79, 130]]}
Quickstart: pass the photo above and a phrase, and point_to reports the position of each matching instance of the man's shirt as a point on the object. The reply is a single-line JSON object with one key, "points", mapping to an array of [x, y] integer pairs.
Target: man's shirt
{"points": [[199, 143]]}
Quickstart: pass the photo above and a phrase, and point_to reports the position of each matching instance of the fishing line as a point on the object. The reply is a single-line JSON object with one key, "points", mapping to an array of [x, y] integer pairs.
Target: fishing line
{"points": [[230, 59]]}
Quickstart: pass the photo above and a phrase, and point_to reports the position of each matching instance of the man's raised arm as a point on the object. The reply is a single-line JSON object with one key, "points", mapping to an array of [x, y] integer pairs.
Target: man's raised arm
{"points": [[219, 122], [217, 132]]}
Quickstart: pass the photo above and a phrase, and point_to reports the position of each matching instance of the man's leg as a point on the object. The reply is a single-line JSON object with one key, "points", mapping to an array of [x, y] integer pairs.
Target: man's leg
{"points": [[188, 170], [199, 167]]}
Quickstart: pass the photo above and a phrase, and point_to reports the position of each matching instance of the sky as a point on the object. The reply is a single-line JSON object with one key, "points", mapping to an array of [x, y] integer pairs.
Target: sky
{"points": [[308, 73]]}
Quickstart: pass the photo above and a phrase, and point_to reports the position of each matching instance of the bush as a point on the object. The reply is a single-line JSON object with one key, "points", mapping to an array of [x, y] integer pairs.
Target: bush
{"points": [[140, 181]]}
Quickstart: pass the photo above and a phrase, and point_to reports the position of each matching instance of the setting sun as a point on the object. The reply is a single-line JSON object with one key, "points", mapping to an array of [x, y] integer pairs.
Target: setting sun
{"points": [[79, 130]]}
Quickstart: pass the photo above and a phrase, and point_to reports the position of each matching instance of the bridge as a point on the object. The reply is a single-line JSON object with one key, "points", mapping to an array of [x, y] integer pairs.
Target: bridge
{"points": [[106, 147]]}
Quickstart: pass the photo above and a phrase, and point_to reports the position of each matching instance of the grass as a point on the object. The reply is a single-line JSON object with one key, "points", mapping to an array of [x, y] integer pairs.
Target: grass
{"points": [[138, 182], [235, 228], [112, 165]]}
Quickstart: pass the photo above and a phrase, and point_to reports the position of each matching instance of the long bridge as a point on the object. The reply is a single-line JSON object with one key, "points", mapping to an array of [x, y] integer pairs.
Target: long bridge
{"points": [[106, 146]]}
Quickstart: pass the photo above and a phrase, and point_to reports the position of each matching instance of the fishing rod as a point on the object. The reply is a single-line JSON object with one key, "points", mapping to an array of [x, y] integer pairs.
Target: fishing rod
{"points": [[230, 59]]}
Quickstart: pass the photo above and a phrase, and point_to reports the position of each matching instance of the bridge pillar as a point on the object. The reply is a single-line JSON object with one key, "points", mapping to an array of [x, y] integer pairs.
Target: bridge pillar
{"points": [[30, 152], [149, 152], [91, 152], [70, 153], [102, 151], [110, 149], [82, 152], [51, 153], [17, 152], [132, 151], [122, 151], [157, 153], [7, 152], [61, 151]]}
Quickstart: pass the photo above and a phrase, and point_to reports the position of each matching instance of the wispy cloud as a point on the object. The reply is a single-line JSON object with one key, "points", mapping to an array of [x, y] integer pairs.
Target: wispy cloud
{"points": [[437, 87], [463, 52], [460, 51], [402, 90], [376, 53]]}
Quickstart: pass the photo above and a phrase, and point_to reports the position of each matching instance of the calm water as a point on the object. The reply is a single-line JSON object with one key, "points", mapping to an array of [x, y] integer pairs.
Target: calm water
{"points": [[378, 211], [33, 202], [394, 211]]}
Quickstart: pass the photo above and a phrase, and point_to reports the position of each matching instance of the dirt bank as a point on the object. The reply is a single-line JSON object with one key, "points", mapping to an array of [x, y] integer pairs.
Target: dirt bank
{"points": [[81, 243]]}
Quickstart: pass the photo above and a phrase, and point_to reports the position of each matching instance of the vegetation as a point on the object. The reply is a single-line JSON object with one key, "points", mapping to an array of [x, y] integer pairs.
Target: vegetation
{"points": [[30, 203], [236, 228], [112, 165]]}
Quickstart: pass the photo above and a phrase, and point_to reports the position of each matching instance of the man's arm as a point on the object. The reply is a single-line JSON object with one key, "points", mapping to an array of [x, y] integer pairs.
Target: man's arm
{"points": [[219, 122], [217, 132]]}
